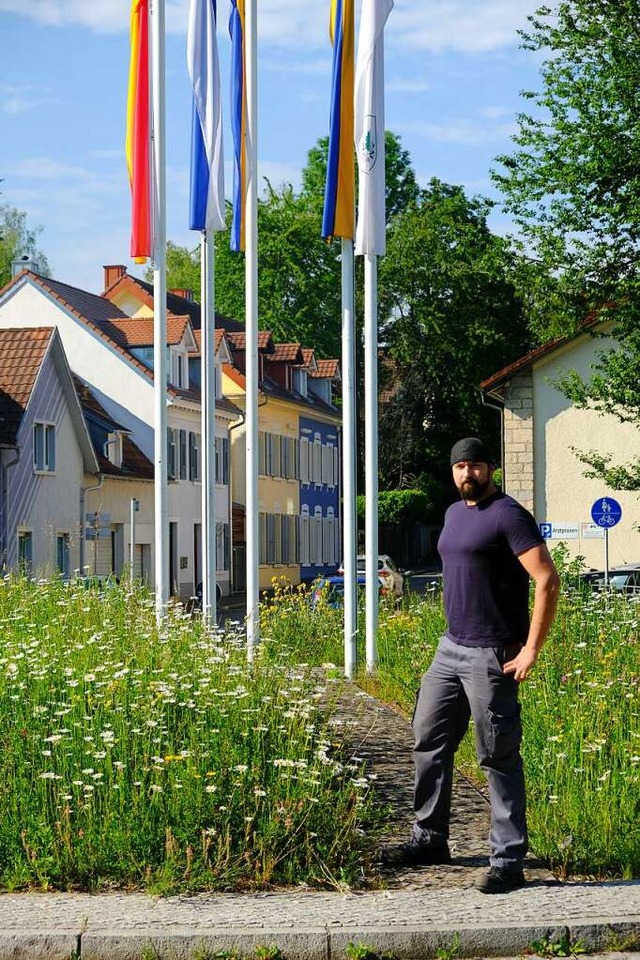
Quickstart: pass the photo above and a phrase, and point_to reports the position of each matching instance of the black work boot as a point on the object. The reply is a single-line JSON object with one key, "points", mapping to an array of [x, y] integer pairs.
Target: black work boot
{"points": [[501, 879], [413, 853]]}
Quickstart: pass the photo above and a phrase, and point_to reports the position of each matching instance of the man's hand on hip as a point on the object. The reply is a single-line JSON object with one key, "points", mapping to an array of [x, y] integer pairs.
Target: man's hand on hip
{"points": [[521, 665]]}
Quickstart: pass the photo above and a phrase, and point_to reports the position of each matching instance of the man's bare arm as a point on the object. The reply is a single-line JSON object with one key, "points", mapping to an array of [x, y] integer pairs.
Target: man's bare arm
{"points": [[540, 567]]}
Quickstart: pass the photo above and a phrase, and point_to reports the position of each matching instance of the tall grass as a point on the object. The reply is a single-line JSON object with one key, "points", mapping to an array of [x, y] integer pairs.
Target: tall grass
{"points": [[137, 757], [581, 717]]}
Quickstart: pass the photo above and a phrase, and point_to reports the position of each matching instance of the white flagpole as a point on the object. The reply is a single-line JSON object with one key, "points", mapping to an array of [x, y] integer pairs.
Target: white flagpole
{"points": [[161, 492], [349, 448], [251, 330], [207, 392], [370, 242], [372, 598]]}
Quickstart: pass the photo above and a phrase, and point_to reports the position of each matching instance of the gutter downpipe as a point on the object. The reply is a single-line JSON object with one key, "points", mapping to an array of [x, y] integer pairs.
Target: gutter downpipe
{"points": [[500, 408], [4, 533], [83, 492]]}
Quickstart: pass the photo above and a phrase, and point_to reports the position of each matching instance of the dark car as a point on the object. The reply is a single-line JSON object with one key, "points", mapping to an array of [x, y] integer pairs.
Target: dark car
{"points": [[623, 579], [332, 589]]}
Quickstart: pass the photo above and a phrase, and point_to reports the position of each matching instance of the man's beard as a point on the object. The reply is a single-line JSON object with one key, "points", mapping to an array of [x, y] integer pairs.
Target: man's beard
{"points": [[472, 489]]}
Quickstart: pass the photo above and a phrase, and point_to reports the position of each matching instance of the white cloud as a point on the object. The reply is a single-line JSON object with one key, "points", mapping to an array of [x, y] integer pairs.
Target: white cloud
{"points": [[319, 66], [438, 25], [16, 100], [398, 85], [458, 25], [463, 132]]}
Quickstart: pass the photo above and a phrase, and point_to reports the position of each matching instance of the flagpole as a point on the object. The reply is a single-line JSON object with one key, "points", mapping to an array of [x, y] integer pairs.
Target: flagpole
{"points": [[372, 597], [207, 392], [161, 493], [251, 331], [349, 448]]}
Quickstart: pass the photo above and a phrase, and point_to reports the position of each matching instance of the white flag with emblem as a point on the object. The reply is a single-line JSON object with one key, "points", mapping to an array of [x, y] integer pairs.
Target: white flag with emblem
{"points": [[369, 127]]}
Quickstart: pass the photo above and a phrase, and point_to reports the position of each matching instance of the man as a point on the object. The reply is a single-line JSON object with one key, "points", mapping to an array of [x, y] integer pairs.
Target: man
{"points": [[490, 546]]}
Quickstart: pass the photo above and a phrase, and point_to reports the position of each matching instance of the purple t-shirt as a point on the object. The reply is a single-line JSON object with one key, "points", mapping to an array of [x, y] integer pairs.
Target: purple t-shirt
{"points": [[486, 588]]}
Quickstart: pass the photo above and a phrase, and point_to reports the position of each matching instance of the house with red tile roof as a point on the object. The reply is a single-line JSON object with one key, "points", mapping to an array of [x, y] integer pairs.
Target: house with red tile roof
{"points": [[299, 452], [111, 354], [47, 459], [542, 433]]}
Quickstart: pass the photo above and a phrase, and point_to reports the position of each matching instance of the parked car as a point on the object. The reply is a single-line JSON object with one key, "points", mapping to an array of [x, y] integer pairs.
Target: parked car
{"points": [[387, 570], [622, 579], [332, 590]]}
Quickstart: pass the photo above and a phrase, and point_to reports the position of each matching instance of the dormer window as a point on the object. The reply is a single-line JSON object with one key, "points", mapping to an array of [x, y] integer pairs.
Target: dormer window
{"points": [[300, 381], [179, 375], [113, 449]]}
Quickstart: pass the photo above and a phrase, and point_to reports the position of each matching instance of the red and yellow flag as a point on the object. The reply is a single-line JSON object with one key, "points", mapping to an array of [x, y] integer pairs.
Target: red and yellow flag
{"points": [[138, 134]]}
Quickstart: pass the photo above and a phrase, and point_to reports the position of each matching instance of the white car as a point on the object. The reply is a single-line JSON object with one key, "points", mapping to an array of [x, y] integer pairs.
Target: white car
{"points": [[388, 573]]}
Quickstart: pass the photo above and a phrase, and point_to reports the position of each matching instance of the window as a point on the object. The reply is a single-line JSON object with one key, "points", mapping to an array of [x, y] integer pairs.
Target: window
{"points": [[25, 552], [262, 453], [44, 447], [300, 381], [194, 456], [178, 370], [329, 537], [221, 450], [316, 470], [304, 460], [183, 454], [63, 555], [327, 464], [145, 354], [289, 458], [304, 536], [172, 454]]}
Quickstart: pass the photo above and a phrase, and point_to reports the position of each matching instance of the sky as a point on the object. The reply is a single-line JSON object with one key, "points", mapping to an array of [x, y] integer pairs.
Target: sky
{"points": [[454, 74]]}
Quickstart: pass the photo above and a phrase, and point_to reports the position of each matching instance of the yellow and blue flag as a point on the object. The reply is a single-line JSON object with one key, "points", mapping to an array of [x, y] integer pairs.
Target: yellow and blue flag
{"points": [[238, 121], [339, 198]]}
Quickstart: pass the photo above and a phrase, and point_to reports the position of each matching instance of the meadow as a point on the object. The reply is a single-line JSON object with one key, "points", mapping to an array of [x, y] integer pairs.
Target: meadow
{"points": [[138, 757], [134, 757]]}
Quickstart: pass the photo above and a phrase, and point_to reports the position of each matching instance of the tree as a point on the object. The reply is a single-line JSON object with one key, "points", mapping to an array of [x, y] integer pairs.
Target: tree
{"points": [[18, 240], [454, 318], [299, 283], [573, 187]]}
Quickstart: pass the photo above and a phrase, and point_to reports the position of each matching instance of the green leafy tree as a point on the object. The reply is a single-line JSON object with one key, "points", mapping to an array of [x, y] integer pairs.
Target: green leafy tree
{"points": [[573, 187], [299, 295], [454, 319], [18, 240]]}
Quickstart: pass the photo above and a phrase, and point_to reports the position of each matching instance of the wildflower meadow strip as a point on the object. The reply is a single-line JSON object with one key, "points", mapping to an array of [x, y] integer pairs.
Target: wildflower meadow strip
{"points": [[138, 757]]}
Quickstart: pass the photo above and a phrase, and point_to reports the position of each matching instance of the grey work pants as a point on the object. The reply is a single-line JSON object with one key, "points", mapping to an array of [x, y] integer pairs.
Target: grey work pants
{"points": [[464, 682]]}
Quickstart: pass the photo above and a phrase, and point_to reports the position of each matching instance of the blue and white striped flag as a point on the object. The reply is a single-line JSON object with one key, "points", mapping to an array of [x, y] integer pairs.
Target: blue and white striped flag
{"points": [[207, 207]]}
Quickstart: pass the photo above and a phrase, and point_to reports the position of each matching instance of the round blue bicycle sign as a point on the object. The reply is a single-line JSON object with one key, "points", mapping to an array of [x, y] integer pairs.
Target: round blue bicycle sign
{"points": [[606, 512]]}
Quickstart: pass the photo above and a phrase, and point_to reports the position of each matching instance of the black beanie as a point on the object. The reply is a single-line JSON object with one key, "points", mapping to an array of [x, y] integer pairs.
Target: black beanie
{"points": [[472, 449]]}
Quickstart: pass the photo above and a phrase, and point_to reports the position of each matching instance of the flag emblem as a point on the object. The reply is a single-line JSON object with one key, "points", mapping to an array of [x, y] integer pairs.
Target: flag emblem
{"points": [[368, 153]]}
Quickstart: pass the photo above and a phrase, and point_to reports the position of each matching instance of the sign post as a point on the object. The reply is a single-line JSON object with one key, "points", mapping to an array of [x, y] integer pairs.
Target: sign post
{"points": [[606, 513], [135, 506]]}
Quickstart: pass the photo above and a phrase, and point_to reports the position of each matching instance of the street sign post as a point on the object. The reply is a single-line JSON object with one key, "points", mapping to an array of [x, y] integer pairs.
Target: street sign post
{"points": [[606, 513]]}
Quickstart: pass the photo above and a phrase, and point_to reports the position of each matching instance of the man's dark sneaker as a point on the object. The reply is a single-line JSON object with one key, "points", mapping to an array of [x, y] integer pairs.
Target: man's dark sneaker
{"points": [[501, 880], [415, 854]]}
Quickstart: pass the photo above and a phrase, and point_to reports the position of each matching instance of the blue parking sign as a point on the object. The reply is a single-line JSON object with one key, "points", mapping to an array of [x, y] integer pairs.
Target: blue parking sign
{"points": [[546, 530], [606, 512]]}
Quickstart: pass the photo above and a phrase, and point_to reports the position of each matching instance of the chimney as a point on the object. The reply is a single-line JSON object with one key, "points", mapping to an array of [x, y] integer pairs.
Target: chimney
{"points": [[185, 292], [113, 272], [23, 263]]}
